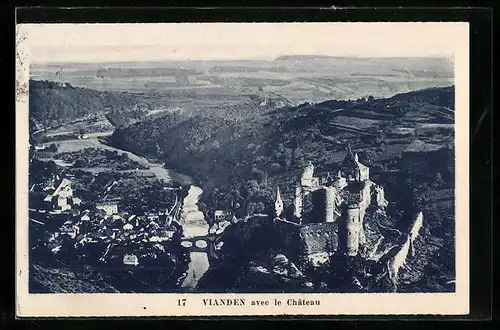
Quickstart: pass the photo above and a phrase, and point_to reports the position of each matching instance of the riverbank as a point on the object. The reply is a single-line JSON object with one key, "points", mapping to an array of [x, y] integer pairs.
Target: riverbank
{"points": [[191, 218]]}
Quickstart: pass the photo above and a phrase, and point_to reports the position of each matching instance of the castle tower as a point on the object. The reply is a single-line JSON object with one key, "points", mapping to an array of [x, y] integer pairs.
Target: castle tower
{"points": [[298, 202], [307, 180], [329, 204], [278, 204]]}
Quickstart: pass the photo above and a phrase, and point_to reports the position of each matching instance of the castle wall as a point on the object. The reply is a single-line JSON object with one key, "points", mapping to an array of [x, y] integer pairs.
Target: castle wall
{"points": [[319, 237], [319, 205], [417, 225], [341, 183], [287, 237], [395, 263], [365, 199], [364, 173]]}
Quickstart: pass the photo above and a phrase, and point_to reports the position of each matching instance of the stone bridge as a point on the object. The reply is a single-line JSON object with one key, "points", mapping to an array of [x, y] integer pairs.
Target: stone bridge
{"points": [[200, 244]]}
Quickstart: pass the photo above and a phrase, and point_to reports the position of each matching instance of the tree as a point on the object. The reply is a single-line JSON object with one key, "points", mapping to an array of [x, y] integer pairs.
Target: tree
{"points": [[215, 145], [251, 188], [298, 158], [439, 179], [255, 207], [258, 174], [53, 147], [275, 168], [79, 163]]}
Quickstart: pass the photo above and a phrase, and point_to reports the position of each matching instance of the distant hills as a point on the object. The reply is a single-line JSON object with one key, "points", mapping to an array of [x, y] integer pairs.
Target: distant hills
{"points": [[296, 78]]}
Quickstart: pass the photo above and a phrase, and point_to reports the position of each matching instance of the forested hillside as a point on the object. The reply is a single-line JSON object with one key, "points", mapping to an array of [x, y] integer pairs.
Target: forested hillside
{"points": [[52, 103], [230, 157]]}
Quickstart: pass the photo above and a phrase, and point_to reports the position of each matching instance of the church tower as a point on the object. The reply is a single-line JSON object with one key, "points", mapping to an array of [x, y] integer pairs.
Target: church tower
{"points": [[278, 204]]}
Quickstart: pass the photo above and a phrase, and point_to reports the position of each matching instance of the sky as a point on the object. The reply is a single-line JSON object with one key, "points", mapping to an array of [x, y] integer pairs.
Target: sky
{"points": [[58, 43]]}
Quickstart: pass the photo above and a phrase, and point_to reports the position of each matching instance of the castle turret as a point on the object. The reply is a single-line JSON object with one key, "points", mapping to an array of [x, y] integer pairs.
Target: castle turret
{"points": [[380, 197], [307, 175], [308, 181], [298, 202], [278, 204]]}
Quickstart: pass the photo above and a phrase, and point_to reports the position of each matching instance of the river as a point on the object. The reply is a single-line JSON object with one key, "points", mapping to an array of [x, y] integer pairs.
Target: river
{"points": [[194, 225], [193, 220], [74, 145]]}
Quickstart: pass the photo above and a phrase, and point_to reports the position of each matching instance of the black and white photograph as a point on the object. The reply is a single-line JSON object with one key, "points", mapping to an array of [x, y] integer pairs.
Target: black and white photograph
{"points": [[196, 159]]}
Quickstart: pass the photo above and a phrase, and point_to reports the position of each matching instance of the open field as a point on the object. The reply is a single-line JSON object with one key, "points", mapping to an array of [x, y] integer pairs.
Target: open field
{"points": [[298, 79]]}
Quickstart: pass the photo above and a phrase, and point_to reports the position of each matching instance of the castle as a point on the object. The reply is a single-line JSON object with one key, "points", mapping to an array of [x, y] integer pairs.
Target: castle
{"points": [[339, 205]]}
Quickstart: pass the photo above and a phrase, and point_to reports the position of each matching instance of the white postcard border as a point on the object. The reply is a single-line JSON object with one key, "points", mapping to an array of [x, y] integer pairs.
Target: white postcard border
{"points": [[61, 305]]}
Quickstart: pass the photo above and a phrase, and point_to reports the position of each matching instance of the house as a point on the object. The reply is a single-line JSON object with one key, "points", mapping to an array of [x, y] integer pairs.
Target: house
{"points": [[71, 230], [62, 197], [219, 227], [152, 226], [117, 217], [62, 203], [130, 259], [64, 189], [220, 216], [128, 227], [85, 216], [109, 208], [153, 216]]}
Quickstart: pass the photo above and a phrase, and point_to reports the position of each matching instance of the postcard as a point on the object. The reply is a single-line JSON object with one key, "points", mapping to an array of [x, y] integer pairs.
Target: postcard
{"points": [[242, 169]]}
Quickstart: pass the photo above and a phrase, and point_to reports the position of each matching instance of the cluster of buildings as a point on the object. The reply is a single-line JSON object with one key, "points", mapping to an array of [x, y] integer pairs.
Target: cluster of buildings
{"points": [[104, 227], [337, 221], [339, 202]]}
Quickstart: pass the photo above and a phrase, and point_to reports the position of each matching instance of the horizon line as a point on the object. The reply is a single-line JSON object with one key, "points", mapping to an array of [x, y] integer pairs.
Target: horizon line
{"points": [[448, 57]]}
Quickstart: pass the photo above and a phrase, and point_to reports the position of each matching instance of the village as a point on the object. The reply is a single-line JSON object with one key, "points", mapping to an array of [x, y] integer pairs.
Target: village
{"points": [[102, 231]]}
